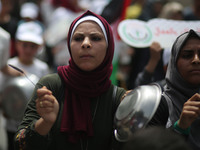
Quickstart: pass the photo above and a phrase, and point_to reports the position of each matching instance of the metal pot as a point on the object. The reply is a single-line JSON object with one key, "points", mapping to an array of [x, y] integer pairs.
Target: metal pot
{"points": [[15, 95], [136, 110]]}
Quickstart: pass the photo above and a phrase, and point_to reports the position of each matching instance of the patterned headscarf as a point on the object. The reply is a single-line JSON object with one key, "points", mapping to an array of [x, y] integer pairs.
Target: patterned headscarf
{"points": [[80, 86]]}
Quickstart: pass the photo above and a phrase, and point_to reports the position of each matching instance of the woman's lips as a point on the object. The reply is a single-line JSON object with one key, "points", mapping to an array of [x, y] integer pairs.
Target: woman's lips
{"points": [[195, 71], [85, 56]]}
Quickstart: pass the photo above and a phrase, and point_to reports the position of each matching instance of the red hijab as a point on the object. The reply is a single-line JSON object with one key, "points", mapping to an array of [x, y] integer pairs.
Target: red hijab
{"points": [[80, 86]]}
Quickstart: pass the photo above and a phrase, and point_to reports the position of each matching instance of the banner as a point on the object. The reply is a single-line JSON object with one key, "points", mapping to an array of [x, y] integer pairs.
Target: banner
{"points": [[140, 34]]}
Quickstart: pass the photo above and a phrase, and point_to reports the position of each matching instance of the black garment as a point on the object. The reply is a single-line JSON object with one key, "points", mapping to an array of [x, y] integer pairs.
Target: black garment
{"points": [[162, 113], [11, 136], [149, 9], [188, 14], [138, 63], [113, 10], [10, 26], [101, 109]]}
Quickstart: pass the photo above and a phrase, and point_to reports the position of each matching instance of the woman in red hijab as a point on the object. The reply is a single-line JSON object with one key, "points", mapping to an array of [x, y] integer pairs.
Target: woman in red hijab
{"points": [[73, 109]]}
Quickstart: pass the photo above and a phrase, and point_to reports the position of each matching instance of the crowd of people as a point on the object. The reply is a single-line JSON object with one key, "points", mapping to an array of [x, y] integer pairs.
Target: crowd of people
{"points": [[85, 70]]}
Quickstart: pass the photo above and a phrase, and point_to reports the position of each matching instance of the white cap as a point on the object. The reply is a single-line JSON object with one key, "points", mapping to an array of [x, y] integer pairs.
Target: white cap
{"points": [[30, 32], [29, 10]]}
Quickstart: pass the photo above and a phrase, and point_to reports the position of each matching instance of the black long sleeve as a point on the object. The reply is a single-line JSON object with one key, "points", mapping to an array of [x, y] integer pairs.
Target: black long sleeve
{"points": [[161, 115]]}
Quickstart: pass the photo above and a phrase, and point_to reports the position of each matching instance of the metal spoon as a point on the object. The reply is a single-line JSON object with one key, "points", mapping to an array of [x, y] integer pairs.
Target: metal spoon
{"points": [[21, 71]]}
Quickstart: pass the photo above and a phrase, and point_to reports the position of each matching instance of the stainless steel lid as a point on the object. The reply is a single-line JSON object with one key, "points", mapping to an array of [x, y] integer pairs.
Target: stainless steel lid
{"points": [[136, 110], [16, 95]]}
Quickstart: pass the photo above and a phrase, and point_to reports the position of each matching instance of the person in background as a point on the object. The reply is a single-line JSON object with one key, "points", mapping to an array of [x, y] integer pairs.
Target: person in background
{"points": [[155, 59], [55, 36], [146, 9], [74, 108], [192, 12], [179, 107], [155, 138], [146, 65], [29, 39], [5, 54], [30, 11], [114, 10], [5, 69], [9, 23], [72, 5], [172, 10]]}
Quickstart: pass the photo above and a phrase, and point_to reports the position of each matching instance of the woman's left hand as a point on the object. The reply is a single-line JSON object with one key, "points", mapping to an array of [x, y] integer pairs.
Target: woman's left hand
{"points": [[47, 106], [190, 112]]}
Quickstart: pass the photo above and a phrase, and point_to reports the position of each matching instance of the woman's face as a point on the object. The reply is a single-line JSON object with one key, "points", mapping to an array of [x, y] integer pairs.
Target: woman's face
{"points": [[88, 46], [189, 61]]}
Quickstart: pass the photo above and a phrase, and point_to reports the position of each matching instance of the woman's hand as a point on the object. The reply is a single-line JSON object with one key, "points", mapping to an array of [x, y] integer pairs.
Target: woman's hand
{"points": [[155, 55], [155, 51], [125, 94], [47, 106], [190, 112]]}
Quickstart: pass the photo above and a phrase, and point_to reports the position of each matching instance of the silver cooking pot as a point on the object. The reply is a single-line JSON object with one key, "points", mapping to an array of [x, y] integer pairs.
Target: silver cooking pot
{"points": [[15, 95], [136, 110]]}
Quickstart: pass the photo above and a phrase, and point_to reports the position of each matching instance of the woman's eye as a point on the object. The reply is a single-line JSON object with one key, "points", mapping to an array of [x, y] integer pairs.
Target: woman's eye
{"points": [[187, 55], [96, 38], [79, 38]]}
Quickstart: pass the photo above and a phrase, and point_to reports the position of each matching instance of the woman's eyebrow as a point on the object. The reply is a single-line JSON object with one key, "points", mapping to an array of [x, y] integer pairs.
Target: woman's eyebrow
{"points": [[188, 48], [78, 33], [96, 33], [91, 34]]}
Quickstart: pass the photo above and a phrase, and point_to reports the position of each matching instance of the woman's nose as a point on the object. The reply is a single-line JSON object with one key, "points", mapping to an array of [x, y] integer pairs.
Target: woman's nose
{"points": [[86, 43], [196, 59]]}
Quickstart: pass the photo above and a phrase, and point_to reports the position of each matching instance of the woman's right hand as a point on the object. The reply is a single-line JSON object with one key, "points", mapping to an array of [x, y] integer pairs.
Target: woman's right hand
{"points": [[155, 55], [190, 112], [46, 105], [155, 51]]}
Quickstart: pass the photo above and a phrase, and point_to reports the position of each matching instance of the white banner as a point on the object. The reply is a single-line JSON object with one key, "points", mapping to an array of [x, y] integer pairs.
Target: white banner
{"points": [[141, 34]]}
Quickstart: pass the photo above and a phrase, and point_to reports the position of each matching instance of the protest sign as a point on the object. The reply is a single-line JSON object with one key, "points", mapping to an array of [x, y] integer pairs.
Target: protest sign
{"points": [[141, 34]]}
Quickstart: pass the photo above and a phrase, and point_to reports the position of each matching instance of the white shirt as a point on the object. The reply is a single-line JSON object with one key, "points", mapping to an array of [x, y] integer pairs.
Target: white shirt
{"points": [[4, 47], [38, 68], [4, 55]]}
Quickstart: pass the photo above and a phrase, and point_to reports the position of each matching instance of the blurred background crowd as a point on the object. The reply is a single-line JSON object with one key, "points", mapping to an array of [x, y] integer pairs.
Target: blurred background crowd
{"points": [[49, 21], [54, 16]]}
